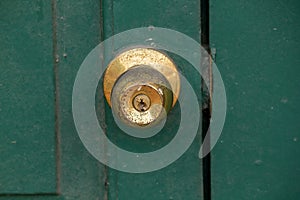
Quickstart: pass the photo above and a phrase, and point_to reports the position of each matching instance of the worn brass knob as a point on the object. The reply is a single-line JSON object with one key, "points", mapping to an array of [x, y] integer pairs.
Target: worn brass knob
{"points": [[141, 85]]}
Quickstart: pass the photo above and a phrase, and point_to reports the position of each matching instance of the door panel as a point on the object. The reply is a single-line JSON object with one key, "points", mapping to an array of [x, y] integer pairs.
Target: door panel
{"points": [[50, 39], [27, 123], [77, 32], [183, 178], [257, 53]]}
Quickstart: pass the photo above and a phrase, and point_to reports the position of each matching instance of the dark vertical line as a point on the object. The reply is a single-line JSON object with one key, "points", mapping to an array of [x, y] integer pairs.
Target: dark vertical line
{"points": [[112, 17], [205, 24], [101, 20], [112, 29], [206, 104], [56, 93], [102, 106], [107, 30], [206, 161]]}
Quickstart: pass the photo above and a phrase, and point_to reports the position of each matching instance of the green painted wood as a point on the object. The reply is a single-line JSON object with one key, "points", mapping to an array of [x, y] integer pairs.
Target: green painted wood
{"points": [[76, 27], [257, 51], [78, 31], [32, 197], [63, 39], [27, 125], [183, 178]]}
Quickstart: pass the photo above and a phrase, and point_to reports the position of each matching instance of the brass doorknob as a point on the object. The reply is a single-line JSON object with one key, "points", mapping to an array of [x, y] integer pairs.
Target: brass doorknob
{"points": [[141, 85]]}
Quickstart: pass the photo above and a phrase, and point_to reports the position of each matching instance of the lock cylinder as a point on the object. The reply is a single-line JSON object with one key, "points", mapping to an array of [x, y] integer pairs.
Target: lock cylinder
{"points": [[141, 96]]}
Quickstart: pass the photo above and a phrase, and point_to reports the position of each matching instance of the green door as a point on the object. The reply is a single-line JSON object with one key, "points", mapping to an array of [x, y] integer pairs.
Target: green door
{"points": [[43, 44], [257, 52], [255, 45]]}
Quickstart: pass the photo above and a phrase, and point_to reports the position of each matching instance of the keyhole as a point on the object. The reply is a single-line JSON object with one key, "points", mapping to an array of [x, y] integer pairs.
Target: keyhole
{"points": [[141, 102], [142, 105]]}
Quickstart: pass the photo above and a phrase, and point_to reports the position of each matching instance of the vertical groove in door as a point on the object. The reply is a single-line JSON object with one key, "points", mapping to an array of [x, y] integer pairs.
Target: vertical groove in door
{"points": [[102, 105], [205, 24], [206, 102], [56, 93]]}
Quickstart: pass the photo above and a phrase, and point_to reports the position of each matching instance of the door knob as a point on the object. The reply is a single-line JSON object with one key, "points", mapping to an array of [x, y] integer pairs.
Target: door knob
{"points": [[141, 85]]}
